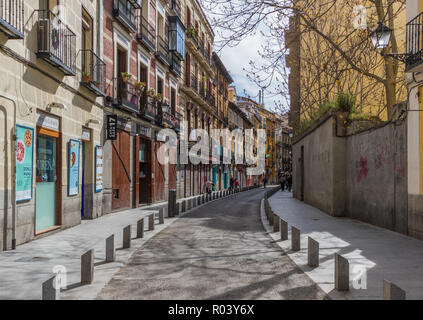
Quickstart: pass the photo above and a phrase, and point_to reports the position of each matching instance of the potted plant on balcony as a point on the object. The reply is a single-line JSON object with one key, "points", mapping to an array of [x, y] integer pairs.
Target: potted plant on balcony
{"points": [[85, 77], [151, 93], [126, 76], [190, 32], [140, 85], [158, 97]]}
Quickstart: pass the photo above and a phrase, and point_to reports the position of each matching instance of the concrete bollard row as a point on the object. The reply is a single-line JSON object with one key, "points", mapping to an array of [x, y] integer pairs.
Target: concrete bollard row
{"points": [[295, 239], [313, 253], [161, 216], [284, 230], [49, 290], [342, 273], [87, 267], [275, 223], [392, 291], [110, 249], [127, 237], [151, 222]]}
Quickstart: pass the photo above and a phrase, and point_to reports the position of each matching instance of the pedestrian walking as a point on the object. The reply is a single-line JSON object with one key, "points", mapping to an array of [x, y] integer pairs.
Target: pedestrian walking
{"points": [[264, 182], [236, 184], [231, 183], [209, 185], [289, 182], [282, 181]]}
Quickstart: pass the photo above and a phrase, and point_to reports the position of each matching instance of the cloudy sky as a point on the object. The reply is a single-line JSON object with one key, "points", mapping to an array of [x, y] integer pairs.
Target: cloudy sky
{"points": [[236, 59]]}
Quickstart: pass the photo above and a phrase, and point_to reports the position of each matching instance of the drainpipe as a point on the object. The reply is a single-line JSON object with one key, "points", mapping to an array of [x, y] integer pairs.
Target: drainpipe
{"points": [[99, 27], [13, 174]]}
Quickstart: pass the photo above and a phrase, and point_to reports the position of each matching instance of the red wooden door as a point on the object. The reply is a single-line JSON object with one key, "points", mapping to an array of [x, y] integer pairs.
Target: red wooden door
{"points": [[121, 171]]}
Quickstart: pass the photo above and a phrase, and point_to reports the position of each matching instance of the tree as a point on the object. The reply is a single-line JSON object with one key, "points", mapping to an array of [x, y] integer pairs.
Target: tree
{"points": [[334, 57]]}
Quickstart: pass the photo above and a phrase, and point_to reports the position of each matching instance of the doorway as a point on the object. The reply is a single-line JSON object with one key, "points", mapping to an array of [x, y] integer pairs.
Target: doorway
{"points": [[46, 197], [145, 172]]}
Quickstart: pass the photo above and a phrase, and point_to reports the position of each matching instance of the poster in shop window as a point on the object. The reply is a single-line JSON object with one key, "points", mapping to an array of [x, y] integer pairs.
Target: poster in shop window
{"points": [[73, 167], [24, 162], [98, 168]]}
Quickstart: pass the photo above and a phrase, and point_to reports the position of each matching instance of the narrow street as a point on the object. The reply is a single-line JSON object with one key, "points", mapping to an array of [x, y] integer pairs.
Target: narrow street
{"points": [[219, 251]]}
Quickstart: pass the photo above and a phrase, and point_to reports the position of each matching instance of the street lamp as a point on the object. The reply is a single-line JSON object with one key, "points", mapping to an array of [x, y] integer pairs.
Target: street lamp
{"points": [[381, 36]]}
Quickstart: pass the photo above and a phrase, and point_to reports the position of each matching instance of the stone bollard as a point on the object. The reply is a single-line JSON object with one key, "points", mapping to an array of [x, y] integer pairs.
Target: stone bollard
{"points": [[49, 292], [110, 249], [87, 267], [140, 229], [271, 217], [275, 223], [171, 208], [284, 230], [392, 291], [177, 208], [203, 199], [313, 253], [127, 237], [161, 216], [342, 273], [151, 222], [184, 206], [295, 239]]}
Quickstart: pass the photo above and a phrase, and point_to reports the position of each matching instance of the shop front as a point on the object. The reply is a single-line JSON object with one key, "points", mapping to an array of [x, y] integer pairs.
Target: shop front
{"points": [[48, 179], [121, 178]]}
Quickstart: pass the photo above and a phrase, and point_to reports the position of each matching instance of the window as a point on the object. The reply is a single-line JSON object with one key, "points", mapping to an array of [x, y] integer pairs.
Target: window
{"points": [[177, 37]]}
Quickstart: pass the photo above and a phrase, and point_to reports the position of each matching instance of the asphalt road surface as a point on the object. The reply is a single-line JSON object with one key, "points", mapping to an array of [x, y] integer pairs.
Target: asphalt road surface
{"points": [[218, 251]]}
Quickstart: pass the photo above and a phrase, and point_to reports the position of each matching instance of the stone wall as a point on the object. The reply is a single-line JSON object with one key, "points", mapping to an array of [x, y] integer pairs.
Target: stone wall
{"points": [[362, 176]]}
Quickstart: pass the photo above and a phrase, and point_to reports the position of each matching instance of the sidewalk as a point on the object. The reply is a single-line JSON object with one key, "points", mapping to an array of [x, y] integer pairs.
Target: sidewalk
{"points": [[385, 254], [23, 271]]}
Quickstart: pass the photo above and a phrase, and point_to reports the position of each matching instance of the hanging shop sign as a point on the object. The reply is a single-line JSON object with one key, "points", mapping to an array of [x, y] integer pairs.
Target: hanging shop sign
{"points": [[86, 134], [98, 169], [73, 167], [111, 127], [24, 162], [49, 125]]}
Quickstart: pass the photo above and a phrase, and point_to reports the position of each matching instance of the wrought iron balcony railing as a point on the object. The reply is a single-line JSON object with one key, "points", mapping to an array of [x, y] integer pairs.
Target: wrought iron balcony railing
{"points": [[162, 52], [93, 72], [192, 34], [194, 83], [12, 18], [146, 33], [124, 11], [56, 42], [176, 66], [414, 42], [148, 107], [127, 95]]}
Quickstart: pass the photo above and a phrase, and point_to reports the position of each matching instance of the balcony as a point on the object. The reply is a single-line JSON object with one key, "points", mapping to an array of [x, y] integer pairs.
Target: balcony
{"points": [[12, 18], [176, 66], [148, 107], [56, 42], [177, 118], [162, 52], [127, 95], [414, 59], [164, 116], [191, 33], [146, 33], [124, 12], [175, 5], [93, 73], [194, 83]]}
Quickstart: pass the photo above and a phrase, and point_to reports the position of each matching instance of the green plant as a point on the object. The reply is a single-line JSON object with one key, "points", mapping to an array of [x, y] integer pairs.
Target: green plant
{"points": [[126, 76], [86, 76], [158, 97], [345, 102], [151, 92], [140, 85]]}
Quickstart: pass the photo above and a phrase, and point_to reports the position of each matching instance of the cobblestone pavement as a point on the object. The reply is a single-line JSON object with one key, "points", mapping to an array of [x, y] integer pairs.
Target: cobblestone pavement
{"points": [[219, 251]]}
